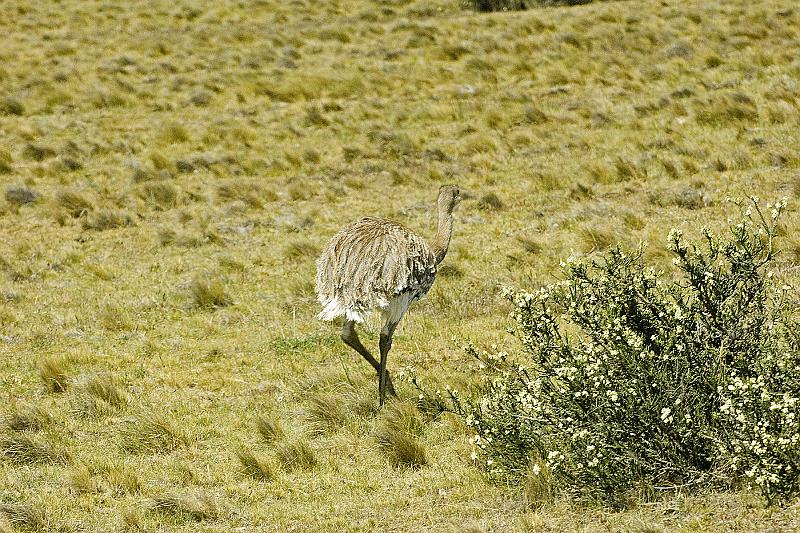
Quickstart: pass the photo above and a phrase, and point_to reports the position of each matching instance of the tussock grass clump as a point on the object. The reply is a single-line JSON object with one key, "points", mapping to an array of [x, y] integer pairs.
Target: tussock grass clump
{"points": [[727, 109], [270, 427], [106, 219], [24, 517], [393, 143], [81, 481], [326, 412], [296, 455], [595, 238], [404, 416], [23, 449], [628, 170], [74, 202], [173, 133], [20, 195], [450, 271], [249, 192], [398, 435], [37, 153], [531, 246], [11, 106], [490, 202], [300, 248], [114, 318], [195, 506], [54, 374], [538, 485], [122, 480], [27, 417], [103, 387], [150, 433], [402, 448], [254, 466], [209, 293], [161, 195]]}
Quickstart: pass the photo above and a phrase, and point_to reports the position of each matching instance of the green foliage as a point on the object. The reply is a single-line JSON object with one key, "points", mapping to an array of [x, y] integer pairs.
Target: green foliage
{"points": [[635, 383]]}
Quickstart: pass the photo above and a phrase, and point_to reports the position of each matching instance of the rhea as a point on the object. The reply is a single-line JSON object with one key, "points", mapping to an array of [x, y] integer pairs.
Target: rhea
{"points": [[377, 264]]}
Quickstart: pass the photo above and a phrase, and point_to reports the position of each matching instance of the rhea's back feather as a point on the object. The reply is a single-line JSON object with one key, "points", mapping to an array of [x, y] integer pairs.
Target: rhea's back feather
{"points": [[368, 264]]}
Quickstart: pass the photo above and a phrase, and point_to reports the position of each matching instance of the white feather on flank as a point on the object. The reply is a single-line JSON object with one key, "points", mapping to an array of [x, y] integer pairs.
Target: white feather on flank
{"points": [[333, 309], [393, 309]]}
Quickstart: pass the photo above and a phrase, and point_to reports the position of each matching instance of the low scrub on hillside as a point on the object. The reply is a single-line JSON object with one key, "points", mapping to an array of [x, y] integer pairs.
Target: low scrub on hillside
{"points": [[518, 5], [637, 383]]}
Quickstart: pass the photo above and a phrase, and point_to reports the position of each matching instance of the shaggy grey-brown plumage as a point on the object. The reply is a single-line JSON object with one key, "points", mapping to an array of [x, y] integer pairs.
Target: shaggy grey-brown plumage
{"points": [[369, 264], [379, 264]]}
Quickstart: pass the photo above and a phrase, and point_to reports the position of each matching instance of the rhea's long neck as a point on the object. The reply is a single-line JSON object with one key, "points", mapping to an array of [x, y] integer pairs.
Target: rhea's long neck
{"points": [[442, 240]]}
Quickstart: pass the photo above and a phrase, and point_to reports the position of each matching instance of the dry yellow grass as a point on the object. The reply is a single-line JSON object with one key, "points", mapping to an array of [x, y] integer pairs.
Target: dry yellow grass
{"points": [[170, 169]]}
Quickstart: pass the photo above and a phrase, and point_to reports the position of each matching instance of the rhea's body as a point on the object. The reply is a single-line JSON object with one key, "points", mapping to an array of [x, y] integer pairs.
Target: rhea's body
{"points": [[377, 264], [391, 267]]}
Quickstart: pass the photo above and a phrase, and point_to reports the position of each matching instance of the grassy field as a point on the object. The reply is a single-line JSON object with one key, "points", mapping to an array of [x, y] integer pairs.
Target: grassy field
{"points": [[171, 170]]}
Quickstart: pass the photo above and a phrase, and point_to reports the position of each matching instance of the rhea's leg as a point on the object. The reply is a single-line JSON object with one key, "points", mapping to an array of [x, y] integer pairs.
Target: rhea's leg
{"points": [[350, 337], [385, 346]]}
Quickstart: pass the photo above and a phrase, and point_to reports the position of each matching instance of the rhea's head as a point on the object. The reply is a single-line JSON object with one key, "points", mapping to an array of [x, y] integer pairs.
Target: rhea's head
{"points": [[449, 197]]}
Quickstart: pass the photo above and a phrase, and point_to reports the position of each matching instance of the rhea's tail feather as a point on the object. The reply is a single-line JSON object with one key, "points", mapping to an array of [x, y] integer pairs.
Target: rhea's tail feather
{"points": [[333, 309]]}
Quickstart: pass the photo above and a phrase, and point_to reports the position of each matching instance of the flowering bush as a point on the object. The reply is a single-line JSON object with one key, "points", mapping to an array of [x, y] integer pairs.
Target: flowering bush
{"points": [[635, 383]]}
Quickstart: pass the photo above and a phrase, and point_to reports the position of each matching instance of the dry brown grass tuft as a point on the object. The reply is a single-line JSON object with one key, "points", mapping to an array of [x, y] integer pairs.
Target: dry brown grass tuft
{"points": [[115, 318], [122, 479], [160, 195], [325, 413], [23, 449], [254, 466], [106, 219], [27, 417], [727, 109], [149, 433], [296, 455], [11, 106], [251, 193], [74, 202], [54, 375], [81, 481], [270, 427], [20, 195], [300, 248], [402, 448], [24, 517], [104, 387], [195, 506], [398, 435], [538, 485], [490, 202], [173, 133], [209, 293]]}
